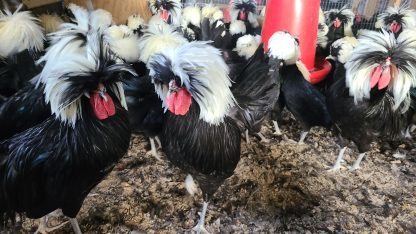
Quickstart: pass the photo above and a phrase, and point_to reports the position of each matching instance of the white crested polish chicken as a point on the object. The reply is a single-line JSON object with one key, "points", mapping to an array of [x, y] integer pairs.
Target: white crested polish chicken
{"points": [[26, 108], [21, 41], [191, 22], [370, 98], [245, 11], [340, 22], [397, 19], [56, 163], [169, 11], [301, 98], [202, 129], [145, 107], [322, 40]]}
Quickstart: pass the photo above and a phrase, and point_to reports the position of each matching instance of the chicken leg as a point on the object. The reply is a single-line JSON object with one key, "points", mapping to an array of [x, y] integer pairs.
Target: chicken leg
{"points": [[75, 226], [200, 227], [337, 165], [302, 138], [153, 149], [263, 139], [356, 164], [276, 129]]}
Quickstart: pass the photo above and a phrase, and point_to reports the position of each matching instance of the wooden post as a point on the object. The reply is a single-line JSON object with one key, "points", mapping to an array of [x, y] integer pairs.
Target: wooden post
{"points": [[397, 3], [121, 9]]}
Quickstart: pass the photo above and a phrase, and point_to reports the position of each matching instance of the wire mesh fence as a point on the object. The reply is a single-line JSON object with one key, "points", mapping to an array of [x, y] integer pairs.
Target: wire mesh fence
{"points": [[368, 9]]}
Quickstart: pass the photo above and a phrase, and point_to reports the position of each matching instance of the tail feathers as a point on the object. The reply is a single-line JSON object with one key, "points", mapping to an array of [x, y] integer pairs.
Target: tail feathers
{"points": [[256, 92]]}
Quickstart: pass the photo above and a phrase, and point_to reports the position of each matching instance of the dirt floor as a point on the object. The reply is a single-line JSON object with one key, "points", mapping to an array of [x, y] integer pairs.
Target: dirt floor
{"points": [[277, 187]]}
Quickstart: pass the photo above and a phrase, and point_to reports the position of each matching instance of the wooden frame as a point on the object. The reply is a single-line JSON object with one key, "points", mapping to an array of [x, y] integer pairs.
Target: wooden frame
{"points": [[121, 9]]}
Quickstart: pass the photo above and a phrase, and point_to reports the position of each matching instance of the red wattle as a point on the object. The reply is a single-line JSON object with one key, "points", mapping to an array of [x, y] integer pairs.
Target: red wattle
{"points": [[242, 15], [102, 108], [375, 77], [395, 27], [179, 102], [164, 14], [385, 78], [337, 23]]}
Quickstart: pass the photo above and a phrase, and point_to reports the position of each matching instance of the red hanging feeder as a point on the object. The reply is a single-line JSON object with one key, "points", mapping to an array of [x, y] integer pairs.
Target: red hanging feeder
{"points": [[300, 18]]}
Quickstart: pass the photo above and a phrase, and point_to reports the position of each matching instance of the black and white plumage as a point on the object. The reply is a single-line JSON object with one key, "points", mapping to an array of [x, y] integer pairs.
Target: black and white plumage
{"points": [[201, 131], [245, 11], [322, 40], [169, 11], [191, 22], [397, 19], [370, 99], [22, 40], [55, 164], [300, 97], [340, 22], [136, 23]]}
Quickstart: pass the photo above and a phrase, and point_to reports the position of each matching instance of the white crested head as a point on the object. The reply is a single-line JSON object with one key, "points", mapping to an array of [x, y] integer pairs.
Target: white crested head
{"points": [[245, 10], [19, 31], [81, 16], [341, 17], [123, 42], [168, 10], [50, 23], [247, 46], [191, 15], [100, 19], [380, 59], [201, 70], [157, 37], [237, 27], [343, 48], [135, 22], [323, 30], [74, 75], [213, 13], [397, 18], [284, 46]]}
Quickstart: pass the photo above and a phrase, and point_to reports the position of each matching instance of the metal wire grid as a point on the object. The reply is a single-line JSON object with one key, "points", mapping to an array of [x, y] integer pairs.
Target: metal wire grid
{"points": [[368, 9]]}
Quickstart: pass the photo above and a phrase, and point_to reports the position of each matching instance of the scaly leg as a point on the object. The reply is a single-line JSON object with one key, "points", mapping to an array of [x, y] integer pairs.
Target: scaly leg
{"points": [[200, 227], [247, 137], [153, 150], [276, 129], [43, 226], [337, 164], [357, 163], [158, 142], [75, 226], [302, 138], [263, 138]]}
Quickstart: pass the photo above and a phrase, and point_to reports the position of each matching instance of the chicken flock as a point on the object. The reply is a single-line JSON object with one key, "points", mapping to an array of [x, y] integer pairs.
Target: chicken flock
{"points": [[73, 88]]}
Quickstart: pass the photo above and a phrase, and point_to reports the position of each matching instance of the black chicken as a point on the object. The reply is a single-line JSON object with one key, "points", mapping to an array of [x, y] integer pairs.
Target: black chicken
{"points": [[245, 10], [397, 19], [201, 132], [302, 99], [169, 11], [56, 163], [21, 39], [370, 98], [340, 22]]}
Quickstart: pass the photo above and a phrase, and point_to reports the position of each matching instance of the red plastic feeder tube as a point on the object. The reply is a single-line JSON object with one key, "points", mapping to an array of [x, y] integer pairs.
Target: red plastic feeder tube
{"points": [[299, 18]]}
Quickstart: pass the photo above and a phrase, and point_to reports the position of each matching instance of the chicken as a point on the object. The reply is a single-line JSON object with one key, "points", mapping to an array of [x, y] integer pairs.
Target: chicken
{"points": [[245, 11], [397, 19], [191, 23], [169, 11], [370, 98], [301, 98], [340, 24], [145, 110], [39, 171], [322, 40], [22, 40], [201, 132]]}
